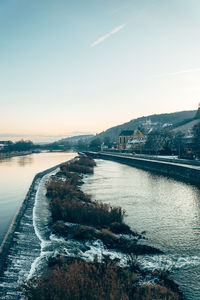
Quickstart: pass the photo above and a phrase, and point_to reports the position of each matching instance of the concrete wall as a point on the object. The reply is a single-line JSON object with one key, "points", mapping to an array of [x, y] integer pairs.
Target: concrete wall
{"points": [[187, 173]]}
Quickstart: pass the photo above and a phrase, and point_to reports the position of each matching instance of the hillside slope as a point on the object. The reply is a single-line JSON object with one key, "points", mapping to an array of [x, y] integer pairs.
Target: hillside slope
{"points": [[173, 118]]}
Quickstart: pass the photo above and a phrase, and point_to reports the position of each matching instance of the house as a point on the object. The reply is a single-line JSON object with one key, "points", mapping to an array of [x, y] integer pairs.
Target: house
{"points": [[123, 138], [128, 138], [137, 141]]}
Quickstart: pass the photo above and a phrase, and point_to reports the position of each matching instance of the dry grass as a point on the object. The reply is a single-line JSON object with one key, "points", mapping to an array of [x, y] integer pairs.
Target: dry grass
{"points": [[80, 280], [62, 190], [156, 292], [82, 165], [81, 232], [120, 228], [86, 161], [75, 167], [71, 209], [60, 229], [70, 204], [71, 178]]}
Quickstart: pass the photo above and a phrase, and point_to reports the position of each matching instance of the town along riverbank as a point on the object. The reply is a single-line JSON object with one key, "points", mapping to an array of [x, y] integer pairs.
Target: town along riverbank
{"points": [[97, 253]]}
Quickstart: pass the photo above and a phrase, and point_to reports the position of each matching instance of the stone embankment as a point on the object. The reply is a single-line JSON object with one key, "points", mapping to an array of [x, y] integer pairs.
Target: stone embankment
{"points": [[176, 169], [20, 246]]}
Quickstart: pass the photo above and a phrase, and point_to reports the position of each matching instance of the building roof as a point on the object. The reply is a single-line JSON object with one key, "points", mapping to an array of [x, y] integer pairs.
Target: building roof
{"points": [[127, 133], [138, 134]]}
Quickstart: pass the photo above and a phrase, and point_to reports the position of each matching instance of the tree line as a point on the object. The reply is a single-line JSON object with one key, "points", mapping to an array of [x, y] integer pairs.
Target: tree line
{"points": [[18, 146]]}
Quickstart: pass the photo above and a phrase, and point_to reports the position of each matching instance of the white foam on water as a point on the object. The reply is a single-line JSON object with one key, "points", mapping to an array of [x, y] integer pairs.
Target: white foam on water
{"points": [[38, 263], [41, 207], [168, 262], [98, 250]]}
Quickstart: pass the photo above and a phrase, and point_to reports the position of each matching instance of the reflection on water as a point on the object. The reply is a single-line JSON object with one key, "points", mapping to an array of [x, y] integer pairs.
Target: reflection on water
{"points": [[20, 160], [168, 210], [7, 161], [16, 175], [25, 160]]}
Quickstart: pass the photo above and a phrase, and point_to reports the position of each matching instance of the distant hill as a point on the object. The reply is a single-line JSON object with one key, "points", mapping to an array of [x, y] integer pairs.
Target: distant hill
{"points": [[176, 120], [75, 139], [161, 119], [188, 124]]}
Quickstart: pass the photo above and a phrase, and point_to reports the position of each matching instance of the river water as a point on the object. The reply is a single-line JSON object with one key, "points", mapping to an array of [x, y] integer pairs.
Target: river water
{"points": [[167, 210], [16, 175]]}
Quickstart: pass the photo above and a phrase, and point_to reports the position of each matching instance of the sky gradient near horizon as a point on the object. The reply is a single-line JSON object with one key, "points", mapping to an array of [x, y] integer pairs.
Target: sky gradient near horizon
{"points": [[85, 66]]}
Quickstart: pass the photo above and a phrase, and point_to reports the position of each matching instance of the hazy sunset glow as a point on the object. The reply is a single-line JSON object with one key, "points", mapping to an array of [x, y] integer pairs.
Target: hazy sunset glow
{"points": [[84, 66]]}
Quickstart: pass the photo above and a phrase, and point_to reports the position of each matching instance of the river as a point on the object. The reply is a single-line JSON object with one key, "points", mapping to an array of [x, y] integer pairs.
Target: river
{"points": [[166, 209], [16, 175]]}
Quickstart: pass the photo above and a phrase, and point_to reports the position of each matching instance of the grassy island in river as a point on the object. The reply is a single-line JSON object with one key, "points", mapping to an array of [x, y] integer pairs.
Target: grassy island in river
{"points": [[77, 279]]}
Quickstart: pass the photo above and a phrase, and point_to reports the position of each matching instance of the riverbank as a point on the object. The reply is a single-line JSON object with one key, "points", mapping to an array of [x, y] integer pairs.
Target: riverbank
{"points": [[72, 213], [13, 154]]}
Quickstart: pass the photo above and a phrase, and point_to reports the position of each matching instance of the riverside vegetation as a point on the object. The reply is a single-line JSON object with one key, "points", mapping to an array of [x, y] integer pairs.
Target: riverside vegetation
{"points": [[74, 278]]}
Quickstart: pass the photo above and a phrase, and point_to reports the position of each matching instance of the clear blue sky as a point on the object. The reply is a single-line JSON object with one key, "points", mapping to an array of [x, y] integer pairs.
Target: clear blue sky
{"points": [[86, 65]]}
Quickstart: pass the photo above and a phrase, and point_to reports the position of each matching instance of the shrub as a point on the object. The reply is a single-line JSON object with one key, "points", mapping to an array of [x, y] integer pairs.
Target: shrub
{"points": [[71, 209], [107, 232], [71, 178], [61, 189], [157, 292], [86, 161], [81, 232], [75, 279], [69, 203], [96, 214], [56, 208], [79, 281], [82, 165], [60, 229], [117, 227], [108, 238], [82, 169]]}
